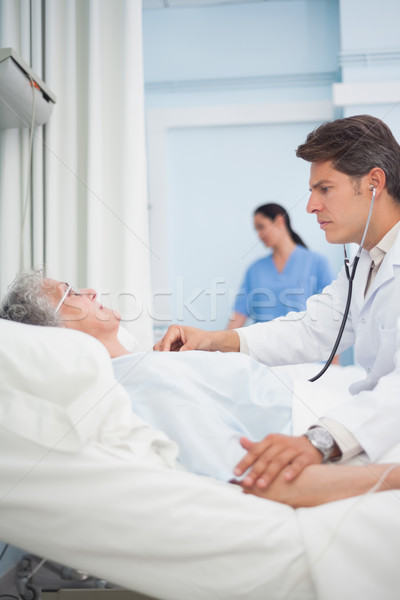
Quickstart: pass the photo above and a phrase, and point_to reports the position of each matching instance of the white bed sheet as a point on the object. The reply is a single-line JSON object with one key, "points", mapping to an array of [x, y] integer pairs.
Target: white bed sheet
{"points": [[353, 547], [89, 484]]}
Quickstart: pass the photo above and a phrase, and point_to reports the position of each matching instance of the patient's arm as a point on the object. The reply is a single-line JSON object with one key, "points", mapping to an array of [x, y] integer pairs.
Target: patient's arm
{"points": [[318, 484]]}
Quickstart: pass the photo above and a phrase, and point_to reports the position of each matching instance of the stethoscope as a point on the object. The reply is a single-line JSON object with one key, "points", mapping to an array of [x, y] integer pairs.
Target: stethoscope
{"points": [[350, 277]]}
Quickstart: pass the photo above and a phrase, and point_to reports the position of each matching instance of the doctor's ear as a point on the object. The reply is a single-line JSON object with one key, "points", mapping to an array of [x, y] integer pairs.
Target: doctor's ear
{"points": [[377, 179]]}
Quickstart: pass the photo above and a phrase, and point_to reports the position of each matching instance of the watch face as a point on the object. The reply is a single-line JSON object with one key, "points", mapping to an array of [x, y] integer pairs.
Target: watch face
{"points": [[321, 438]]}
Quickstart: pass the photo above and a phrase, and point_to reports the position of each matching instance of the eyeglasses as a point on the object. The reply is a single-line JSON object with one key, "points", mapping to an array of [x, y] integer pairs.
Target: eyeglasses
{"points": [[70, 290]]}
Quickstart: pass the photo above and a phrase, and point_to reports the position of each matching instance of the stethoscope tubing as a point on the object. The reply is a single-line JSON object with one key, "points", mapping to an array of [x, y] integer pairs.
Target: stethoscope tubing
{"points": [[350, 277]]}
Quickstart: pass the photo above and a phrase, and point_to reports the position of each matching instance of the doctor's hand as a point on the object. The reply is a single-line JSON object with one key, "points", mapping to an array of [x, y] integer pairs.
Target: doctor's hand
{"points": [[275, 454], [181, 338]]}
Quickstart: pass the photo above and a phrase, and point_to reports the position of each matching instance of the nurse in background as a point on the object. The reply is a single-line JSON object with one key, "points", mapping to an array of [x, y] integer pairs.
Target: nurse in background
{"points": [[282, 281]]}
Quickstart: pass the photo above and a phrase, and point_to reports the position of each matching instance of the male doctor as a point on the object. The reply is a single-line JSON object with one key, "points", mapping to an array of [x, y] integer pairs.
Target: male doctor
{"points": [[354, 176]]}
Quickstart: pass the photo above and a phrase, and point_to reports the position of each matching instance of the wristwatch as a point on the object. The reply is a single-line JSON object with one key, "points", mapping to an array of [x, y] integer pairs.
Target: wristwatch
{"points": [[322, 440]]}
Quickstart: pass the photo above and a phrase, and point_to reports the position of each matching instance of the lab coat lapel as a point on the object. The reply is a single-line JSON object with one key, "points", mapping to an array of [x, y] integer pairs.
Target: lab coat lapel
{"points": [[360, 280], [386, 270]]}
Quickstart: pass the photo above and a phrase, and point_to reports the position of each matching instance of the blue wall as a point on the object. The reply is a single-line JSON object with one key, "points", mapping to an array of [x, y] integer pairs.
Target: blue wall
{"points": [[239, 56], [240, 53], [218, 176], [240, 40]]}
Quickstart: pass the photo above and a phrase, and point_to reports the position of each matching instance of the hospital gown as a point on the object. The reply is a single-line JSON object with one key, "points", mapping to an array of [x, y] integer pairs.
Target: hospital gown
{"points": [[205, 402]]}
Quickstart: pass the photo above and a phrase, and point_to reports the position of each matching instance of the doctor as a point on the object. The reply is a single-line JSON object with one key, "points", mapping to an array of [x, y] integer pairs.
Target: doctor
{"points": [[355, 167]]}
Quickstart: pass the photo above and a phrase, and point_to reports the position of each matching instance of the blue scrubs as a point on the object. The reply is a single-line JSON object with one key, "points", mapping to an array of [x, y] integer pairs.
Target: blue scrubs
{"points": [[266, 294]]}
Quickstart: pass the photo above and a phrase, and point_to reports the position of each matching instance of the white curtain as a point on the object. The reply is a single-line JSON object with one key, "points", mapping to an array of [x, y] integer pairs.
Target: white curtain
{"points": [[87, 218]]}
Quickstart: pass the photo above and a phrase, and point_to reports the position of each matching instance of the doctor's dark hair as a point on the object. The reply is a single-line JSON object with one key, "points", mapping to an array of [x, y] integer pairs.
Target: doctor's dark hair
{"points": [[26, 301], [271, 211], [355, 145]]}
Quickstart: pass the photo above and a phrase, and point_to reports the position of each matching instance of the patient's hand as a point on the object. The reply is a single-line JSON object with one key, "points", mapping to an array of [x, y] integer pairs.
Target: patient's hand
{"points": [[318, 484], [312, 487], [275, 454]]}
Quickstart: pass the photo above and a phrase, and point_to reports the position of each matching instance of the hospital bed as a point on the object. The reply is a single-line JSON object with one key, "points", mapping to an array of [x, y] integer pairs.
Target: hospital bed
{"points": [[76, 594], [37, 579], [88, 484]]}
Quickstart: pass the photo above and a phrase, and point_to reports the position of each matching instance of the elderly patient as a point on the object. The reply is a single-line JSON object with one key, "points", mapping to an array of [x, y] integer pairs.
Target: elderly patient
{"points": [[205, 403], [205, 413]]}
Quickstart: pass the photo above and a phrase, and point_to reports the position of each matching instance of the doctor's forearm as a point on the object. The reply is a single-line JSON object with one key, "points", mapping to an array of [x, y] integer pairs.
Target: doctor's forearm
{"points": [[225, 341]]}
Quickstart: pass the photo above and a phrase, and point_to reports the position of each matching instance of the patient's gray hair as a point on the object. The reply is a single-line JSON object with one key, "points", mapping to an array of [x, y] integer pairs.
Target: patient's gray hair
{"points": [[27, 302]]}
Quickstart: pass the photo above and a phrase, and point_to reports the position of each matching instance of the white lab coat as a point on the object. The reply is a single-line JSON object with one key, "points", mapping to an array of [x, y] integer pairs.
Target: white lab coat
{"points": [[372, 414]]}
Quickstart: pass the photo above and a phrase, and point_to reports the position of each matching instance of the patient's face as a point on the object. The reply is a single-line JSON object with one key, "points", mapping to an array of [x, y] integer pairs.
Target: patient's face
{"points": [[82, 311]]}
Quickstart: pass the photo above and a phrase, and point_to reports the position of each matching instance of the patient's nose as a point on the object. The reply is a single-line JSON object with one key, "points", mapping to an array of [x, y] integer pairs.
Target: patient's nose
{"points": [[90, 292]]}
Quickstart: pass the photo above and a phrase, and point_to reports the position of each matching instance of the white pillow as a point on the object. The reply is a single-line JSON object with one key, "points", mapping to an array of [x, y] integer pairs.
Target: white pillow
{"points": [[57, 389], [50, 378]]}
